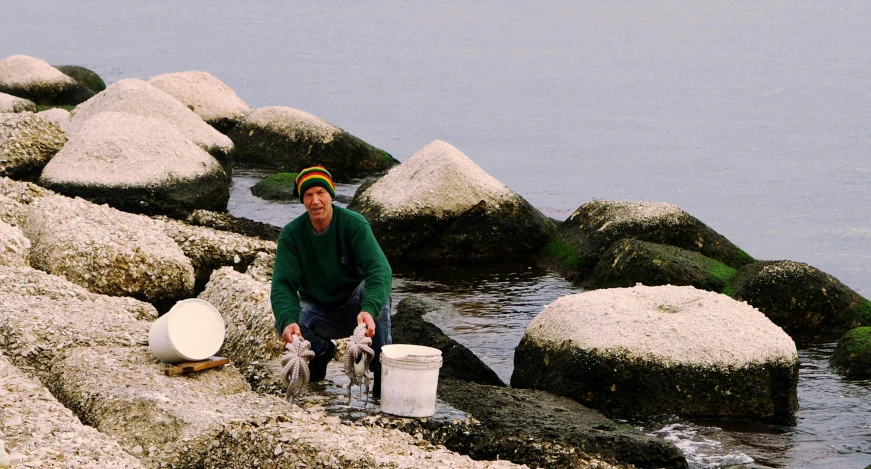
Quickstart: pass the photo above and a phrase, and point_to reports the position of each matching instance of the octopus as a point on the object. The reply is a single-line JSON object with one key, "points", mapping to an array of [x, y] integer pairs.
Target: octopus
{"points": [[295, 373], [357, 359]]}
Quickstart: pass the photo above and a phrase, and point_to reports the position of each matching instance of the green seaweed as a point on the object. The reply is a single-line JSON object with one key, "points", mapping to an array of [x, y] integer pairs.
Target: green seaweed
{"points": [[564, 254], [277, 186], [721, 272]]}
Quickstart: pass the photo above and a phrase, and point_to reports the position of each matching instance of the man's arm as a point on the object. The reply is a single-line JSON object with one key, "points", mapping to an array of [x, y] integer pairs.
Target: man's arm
{"points": [[285, 283], [377, 272]]}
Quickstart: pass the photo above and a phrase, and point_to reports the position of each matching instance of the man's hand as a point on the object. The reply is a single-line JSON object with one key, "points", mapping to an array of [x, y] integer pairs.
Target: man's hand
{"points": [[365, 317], [290, 331]]}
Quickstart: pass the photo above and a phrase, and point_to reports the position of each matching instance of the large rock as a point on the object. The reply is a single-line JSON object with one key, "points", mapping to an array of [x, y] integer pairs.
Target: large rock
{"points": [[40, 432], [58, 116], [107, 251], [14, 246], [14, 198], [137, 164], [36, 80], [9, 103], [288, 139], [209, 249], [137, 97], [458, 362], [227, 222], [211, 99], [798, 297], [85, 76], [27, 144], [631, 261], [852, 357], [44, 314], [439, 206], [635, 352], [583, 238]]}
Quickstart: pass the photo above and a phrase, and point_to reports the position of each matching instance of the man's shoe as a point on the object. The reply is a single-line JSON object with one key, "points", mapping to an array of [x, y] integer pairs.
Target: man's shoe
{"points": [[317, 367]]}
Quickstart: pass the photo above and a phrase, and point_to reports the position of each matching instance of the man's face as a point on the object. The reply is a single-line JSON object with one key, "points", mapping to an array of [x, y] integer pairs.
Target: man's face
{"points": [[317, 202]]}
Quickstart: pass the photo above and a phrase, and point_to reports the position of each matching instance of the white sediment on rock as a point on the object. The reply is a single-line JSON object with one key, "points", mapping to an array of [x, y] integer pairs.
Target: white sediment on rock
{"points": [[40, 432], [137, 97], [670, 324], [22, 70], [58, 116], [293, 123], [115, 149], [14, 246], [9, 103], [208, 97], [437, 180], [640, 213], [105, 250]]}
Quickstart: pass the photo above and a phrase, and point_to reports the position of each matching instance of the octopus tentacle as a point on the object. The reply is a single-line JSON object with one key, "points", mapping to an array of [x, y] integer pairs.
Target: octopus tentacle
{"points": [[357, 359], [295, 373]]}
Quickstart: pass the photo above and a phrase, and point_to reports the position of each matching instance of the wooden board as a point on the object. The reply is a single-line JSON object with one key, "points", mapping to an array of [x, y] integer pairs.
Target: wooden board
{"points": [[191, 367]]}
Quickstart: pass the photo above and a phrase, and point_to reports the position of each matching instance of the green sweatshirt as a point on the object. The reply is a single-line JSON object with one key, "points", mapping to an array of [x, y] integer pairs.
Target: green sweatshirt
{"points": [[326, 268]]}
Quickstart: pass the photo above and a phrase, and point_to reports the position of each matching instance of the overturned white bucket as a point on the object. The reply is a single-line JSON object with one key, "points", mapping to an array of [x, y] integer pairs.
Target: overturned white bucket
{"points": [[409, 379], [192, 330]]}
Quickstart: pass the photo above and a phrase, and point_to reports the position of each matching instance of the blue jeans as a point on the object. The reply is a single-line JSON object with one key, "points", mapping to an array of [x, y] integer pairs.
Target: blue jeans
{"points": [[319, 324]]}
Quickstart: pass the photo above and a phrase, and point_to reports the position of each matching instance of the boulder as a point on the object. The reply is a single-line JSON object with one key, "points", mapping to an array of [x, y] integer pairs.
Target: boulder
{"points": [[107, 251], [15, 249], [630, 261], [261, 268], [226, 222], [40, 432], [85, 76], [287, 139], [642, 351], [279, 186], [584, 237], [210, 249], [57, 116], [133, 96], [137, 164], [852, 357], [44, 314], [36, 80], [211, 99], [439, 206], [27, 144], [798, 297], [9, 103], [458, 362], [14, 198]]}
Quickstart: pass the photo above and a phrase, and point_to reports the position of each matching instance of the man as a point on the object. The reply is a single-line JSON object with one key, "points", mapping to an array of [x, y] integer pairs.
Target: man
{"points": [[330, 275]]}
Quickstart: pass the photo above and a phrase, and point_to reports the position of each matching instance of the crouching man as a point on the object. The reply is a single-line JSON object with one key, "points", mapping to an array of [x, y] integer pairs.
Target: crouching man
{"points": [[330, 275]]}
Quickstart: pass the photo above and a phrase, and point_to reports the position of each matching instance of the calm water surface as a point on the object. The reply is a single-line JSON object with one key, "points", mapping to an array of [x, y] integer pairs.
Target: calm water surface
{"points": [[752, 116]]}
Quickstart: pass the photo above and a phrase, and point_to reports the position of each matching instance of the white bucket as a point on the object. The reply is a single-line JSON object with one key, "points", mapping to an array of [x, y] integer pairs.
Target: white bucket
{"points": [[409, 379], [192, 330]]}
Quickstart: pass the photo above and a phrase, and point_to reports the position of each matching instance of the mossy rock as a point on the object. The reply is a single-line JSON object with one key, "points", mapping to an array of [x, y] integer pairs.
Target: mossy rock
{"points": [[86, 77], [279, 186], [852, 357], [799, 297], [584, 237], [286, 139], [631, 261], [409, 327]]}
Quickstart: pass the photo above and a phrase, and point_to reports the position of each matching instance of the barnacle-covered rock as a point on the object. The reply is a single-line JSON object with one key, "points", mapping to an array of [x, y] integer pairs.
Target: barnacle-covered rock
{"points": [[40, 432], [9, 103], [799, 297], [27, 143], [107, 251], [226, 222], [14, 198], [583, 238], [209, 249], [630, 261], [287, 139], [43, 314], [631, 352], [210, 98], [14, 246], [137, 164], [439, 206], [261, 268], [58, 116], [250, 339], [133, 96], [36, 80]]}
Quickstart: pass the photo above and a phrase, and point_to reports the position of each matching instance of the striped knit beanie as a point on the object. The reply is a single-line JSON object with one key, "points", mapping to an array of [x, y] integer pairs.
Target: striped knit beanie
{"points": [[314, 176]]}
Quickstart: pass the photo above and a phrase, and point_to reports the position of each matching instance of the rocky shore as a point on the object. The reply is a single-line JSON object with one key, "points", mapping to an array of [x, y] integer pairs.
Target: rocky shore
{"points": [[112, 213]]}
